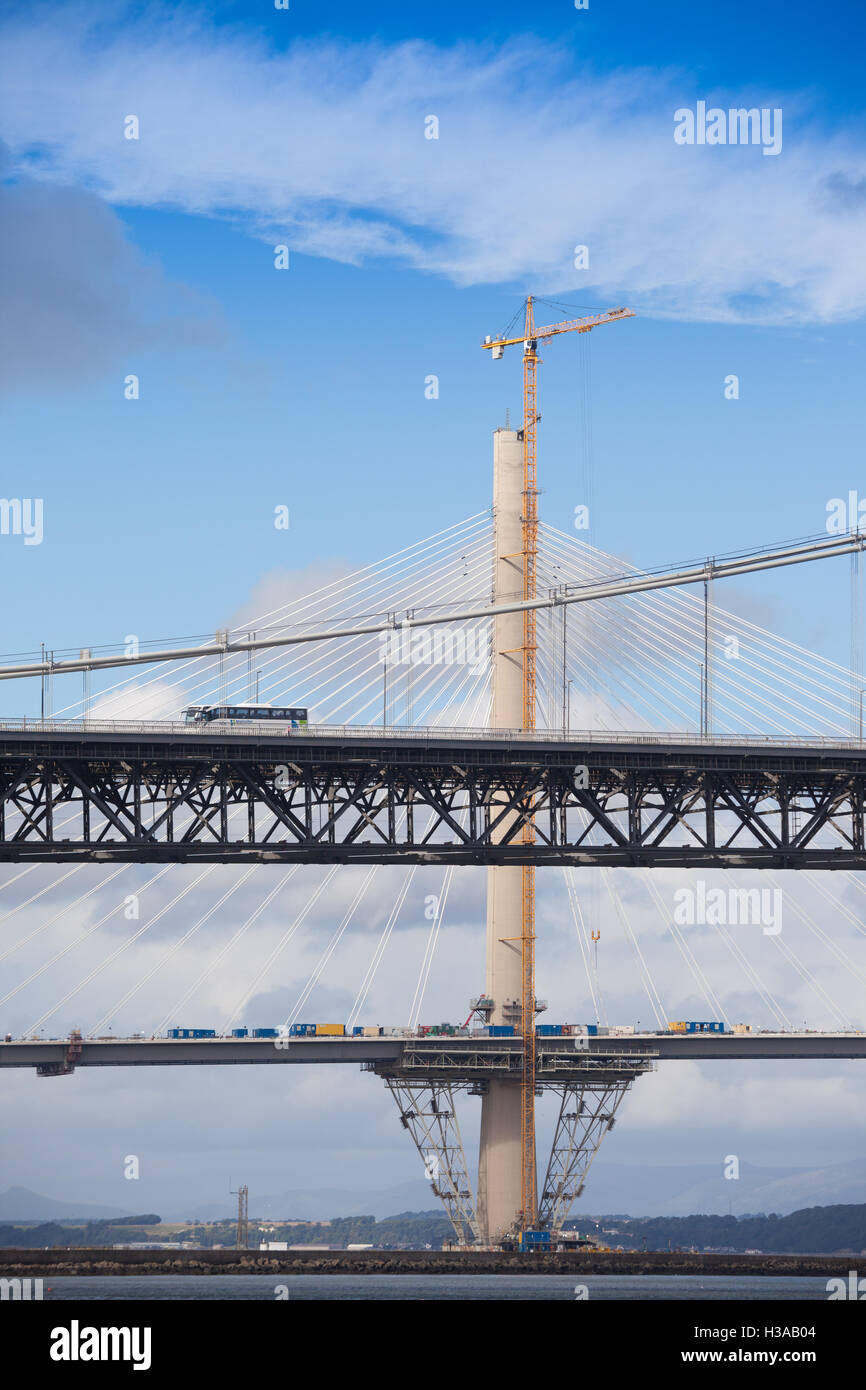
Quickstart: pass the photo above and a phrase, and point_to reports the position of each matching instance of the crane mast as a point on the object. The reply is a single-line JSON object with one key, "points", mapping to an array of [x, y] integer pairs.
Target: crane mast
{"points": [[531, 360], [528, 1182]]}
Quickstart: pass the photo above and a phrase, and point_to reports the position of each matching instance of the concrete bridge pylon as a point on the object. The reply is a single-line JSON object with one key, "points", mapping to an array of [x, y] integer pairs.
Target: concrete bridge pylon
{"points": [[499, 1161]]}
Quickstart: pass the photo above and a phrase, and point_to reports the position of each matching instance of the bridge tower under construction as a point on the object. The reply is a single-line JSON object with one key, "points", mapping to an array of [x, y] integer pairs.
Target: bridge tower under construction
{"points": [[500, 1189]]}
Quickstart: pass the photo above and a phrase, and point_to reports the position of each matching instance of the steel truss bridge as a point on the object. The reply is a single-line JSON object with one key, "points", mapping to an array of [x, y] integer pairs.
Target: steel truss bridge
{"points": [[157, 793]]}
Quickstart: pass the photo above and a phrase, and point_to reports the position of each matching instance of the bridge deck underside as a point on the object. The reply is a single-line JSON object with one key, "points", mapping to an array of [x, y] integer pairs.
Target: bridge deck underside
{"points": [[448, 1059]]}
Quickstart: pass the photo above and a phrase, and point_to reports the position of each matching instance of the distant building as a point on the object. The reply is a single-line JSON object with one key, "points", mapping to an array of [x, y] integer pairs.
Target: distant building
{"points": [[148, 1245]]}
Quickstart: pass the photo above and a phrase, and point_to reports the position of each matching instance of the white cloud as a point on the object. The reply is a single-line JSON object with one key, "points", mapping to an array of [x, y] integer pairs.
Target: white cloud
{"points": [[153, 699], [690, 1094], [323, 145]]}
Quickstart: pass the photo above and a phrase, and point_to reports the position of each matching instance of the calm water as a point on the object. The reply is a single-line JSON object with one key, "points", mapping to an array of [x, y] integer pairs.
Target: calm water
{"points": [[424, 1288]]}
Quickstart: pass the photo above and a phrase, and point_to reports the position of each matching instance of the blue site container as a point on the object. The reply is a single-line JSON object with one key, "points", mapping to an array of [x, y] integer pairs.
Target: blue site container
{"points": [[265, 1033], [502, 1030], [705, 1027], [549, 1030], [240, 1032], [358, 1031], [302, 1030], [592, 1030], [535, 1240]]}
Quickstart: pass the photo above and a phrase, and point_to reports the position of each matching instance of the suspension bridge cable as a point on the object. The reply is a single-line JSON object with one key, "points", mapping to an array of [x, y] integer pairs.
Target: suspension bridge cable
{"points": [[79, 940], [120, 949], [714, 1004], [329, 950], [274, 955], [643, 969], [374, 573], [372, 968], [174, 948], [67, 907], [430, 950], [174, 1011], [585, 951]]}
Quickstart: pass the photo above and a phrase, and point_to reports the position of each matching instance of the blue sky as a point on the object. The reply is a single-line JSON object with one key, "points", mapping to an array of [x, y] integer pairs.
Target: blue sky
{"points": [[790, 41], [306, 387]]}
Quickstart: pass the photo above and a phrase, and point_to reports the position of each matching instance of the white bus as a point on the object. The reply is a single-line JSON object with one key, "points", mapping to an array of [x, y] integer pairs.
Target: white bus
{"points": [[293, 715]]}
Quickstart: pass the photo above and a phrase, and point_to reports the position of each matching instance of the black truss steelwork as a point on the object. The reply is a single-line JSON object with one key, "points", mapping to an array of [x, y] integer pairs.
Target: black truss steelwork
{"points": [[335, 798]]}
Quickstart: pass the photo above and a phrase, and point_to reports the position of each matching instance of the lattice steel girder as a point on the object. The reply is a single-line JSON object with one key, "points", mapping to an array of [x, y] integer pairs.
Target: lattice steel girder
{"points": [[586, 1114], [320, 798], [427, 1111]]}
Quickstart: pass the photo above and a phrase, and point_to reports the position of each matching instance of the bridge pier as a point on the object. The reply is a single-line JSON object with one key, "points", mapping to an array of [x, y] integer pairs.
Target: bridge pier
{"points": [[432, 1072]]}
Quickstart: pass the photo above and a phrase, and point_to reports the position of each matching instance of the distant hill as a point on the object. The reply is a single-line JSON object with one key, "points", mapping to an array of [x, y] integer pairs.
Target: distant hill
{"points": [[637, 1191], [20, 1204], [812, 1231], [315, 1204], [681, 1191], [662, 1190]]}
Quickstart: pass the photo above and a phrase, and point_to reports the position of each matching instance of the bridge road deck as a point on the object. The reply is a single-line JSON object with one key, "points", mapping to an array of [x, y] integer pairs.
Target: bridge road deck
{"points": [[454, 1056]]}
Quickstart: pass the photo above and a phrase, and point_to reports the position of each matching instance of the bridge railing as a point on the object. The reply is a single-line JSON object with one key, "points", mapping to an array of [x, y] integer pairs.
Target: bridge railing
{"points": [[243, 728]]}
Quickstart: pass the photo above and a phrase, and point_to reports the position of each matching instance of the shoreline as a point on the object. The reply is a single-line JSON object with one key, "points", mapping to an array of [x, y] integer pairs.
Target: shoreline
{"points": [[83, 1262]]}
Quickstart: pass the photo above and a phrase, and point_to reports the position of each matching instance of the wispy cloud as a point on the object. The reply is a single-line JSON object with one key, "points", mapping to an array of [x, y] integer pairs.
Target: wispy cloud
{"points": [[323, 146]]}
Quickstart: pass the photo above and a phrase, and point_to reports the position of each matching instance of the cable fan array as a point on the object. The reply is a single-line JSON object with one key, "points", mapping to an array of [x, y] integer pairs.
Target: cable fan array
{"points": [[635, 662]]}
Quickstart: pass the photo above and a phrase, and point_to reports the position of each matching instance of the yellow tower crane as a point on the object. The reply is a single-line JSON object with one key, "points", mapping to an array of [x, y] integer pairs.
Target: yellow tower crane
{"points": [[530, 339]]}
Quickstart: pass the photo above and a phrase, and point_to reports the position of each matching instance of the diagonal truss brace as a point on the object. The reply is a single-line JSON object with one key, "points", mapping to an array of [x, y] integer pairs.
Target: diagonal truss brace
{"points": [[586, 1113], [427, 1111]]}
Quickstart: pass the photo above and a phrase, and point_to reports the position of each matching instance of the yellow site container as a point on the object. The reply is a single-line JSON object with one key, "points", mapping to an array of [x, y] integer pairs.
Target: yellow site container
{"points": [[677, 1027], [330, 1030], [371, 1032]]}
